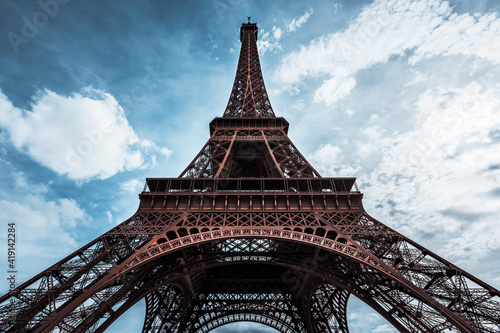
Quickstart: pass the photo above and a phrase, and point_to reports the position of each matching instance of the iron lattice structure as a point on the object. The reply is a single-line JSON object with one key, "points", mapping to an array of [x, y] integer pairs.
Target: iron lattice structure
{"points": [[250, 231]]}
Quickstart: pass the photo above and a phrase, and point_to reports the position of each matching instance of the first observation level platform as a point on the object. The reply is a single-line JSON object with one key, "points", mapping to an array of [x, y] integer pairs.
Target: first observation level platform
{"points": [[254, 194], [274, 123]]}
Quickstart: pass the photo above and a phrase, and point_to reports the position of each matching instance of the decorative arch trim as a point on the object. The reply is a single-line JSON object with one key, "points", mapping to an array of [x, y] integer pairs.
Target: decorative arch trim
{"points": [[347, 249]]}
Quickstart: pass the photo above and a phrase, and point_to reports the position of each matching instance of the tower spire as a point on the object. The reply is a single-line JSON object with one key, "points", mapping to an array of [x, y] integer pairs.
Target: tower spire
{"points": [[249, 96]]}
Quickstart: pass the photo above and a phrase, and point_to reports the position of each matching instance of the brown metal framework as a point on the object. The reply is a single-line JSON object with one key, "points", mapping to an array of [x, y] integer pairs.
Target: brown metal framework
{"points": [[249, 97], [250, 231]]}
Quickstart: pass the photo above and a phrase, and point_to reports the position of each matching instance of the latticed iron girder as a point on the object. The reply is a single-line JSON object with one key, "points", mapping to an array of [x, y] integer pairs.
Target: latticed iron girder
{"points": [[327, 305], [248, 97], [248, 149], [253, 293], [424, 292], [164, 310], [224, 156], [213, 309]]}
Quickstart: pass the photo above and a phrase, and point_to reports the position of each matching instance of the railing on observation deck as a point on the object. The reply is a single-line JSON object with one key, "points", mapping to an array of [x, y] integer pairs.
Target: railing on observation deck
{"points": [[250, 194], [336, 185]]}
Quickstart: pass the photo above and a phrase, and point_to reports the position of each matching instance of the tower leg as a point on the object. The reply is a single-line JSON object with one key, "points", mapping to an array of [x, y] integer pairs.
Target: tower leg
{"points": [[330, 304], [328, 309], [164, 310]]}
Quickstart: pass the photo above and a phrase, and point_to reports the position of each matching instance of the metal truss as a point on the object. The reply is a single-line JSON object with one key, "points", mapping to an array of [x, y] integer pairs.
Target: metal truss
{"points": [[240, 152], [257, 145], [250, 231], [164, 309], [249, 97], [411, 287], [328, 305]]}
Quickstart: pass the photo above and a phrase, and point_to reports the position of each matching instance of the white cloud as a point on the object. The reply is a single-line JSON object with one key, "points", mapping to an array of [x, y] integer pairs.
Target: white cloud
{"points": [[44, 230], [368, 145], [328, 161], [326, 154], [334, 89], [277, 33], [367, 317], [269, 40], [109, 215], [463, 34], [83, 136], [299, 104], [438, 175], [361, 318], [41, 220], [133, 185], [296, 23], [20, 182], [373, 132], [384, 329], [385, 28]]}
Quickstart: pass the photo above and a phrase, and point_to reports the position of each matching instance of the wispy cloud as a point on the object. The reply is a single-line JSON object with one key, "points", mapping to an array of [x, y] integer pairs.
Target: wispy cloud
{"points": [[363, 319], [334, 89], [438, 175], [329, 161], [297, 23], [133, 185], [420, 29], [270, 40], [45, 227]]}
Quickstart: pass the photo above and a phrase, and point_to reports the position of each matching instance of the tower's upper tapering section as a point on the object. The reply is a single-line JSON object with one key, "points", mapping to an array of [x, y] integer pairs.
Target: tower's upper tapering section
{"points": [[249, 97]]}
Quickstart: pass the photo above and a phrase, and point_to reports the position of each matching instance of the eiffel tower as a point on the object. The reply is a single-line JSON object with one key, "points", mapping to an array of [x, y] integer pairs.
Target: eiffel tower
{"points": [[250, 231]]}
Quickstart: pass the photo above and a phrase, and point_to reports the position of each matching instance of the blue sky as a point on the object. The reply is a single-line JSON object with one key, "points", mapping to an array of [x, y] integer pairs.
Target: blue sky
{"points": [[96, 96]]}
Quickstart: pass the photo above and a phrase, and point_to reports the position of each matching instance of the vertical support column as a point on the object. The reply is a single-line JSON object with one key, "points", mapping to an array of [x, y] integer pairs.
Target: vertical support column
{"points": [[164, 310], [328, 309]]}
